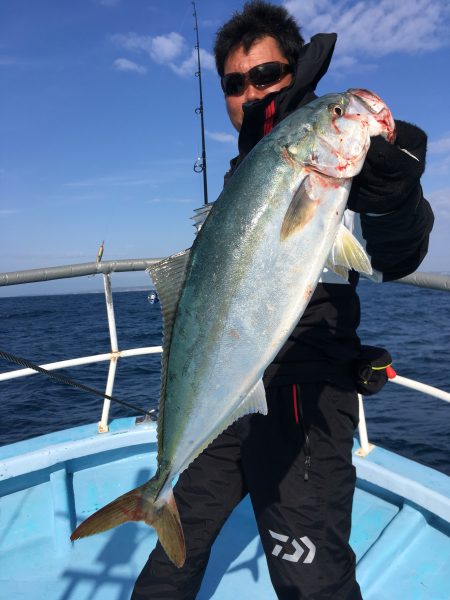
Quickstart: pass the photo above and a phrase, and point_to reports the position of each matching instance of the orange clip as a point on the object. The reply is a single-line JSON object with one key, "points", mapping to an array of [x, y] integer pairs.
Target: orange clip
{"points": [[390, 372]]}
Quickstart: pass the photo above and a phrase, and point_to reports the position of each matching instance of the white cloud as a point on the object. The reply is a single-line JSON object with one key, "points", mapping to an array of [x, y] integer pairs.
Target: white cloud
{"points": [[162, 49], [374, 28], [170, 50], [439, 167], [166, 48], [123, 64], [189, 65], [440, 202], [438, 163], [224, 138], [440, 146], [133, 42], [207, 60]]}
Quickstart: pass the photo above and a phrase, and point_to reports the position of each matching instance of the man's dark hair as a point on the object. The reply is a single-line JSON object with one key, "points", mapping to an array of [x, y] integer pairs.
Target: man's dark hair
{"points": [[258, 19]]}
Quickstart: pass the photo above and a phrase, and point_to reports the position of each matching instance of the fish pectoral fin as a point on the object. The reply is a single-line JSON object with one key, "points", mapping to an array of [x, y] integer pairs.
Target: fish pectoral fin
{"points": [[341, 271], [347, 253], [134, 506], [300, 211]]}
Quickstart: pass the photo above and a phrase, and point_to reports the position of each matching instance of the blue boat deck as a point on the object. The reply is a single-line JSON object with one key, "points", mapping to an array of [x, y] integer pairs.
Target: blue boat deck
{"points": [[400, 528]]}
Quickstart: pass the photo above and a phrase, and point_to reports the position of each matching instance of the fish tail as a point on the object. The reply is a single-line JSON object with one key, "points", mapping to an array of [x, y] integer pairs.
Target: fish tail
{"points": [[136, 505]]}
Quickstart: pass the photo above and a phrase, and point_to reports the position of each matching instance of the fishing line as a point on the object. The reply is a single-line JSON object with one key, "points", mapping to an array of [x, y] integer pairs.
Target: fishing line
{"points": [[183, 21], [67, 381]]}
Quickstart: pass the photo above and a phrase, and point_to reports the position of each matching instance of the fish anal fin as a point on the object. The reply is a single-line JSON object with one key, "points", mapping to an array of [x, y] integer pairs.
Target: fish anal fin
{"points": [[300, 211], [347, 253], [254, 402]]}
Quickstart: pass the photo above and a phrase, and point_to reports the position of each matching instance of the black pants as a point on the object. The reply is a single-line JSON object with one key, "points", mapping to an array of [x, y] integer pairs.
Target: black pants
{"points": [[303, 512]]}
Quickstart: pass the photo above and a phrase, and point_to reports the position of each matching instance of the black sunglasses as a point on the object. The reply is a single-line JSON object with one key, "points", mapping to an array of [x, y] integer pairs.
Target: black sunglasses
{"points": [[261, 76]]}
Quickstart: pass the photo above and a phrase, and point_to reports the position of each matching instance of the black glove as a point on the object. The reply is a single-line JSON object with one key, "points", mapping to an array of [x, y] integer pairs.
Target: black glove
{"points": [[390, 177]]}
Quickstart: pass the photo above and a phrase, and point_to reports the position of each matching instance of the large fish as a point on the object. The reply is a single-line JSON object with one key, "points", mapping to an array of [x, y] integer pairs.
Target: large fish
{"points": [[269, 235]]}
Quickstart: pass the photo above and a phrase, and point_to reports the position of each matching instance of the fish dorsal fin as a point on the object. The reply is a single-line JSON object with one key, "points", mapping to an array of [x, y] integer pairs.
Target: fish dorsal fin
{"points": [[200, 216], [168, 276], [300, 211], [347, 253]]}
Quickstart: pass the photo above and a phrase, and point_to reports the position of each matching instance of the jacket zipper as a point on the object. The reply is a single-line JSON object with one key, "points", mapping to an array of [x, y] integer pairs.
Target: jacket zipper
{"points": [[298, 408]]}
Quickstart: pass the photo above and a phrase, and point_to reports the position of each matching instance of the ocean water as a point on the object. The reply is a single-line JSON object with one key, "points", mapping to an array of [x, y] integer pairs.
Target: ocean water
{"points": [[413, 324]]}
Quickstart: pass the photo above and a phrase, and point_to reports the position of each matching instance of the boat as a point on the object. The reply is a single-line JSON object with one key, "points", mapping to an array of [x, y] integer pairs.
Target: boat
{"points": [[49, 484]]}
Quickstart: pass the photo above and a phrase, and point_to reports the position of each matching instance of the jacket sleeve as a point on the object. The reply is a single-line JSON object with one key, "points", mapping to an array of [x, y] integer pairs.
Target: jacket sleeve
{"points": [[396, 220]]}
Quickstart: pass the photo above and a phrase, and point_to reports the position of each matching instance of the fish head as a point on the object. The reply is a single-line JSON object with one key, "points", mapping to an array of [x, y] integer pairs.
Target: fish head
{"points": [[381, 121], [336, 137]]}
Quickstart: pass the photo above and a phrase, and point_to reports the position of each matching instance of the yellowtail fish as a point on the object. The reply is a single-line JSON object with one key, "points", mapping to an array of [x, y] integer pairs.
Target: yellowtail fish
{"points": [[269, 234]]}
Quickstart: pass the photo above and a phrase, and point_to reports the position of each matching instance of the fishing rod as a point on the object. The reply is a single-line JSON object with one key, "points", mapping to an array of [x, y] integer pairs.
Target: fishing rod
{"points": [[23, 362], [200, 164]]}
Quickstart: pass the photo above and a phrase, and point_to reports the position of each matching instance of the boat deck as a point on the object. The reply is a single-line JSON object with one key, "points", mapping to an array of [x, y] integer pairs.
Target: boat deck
{"points": [[400, 534]]}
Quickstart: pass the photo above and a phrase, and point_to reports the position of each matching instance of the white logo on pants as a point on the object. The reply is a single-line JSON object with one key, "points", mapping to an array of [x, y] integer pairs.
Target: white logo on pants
{"points": [[298, 552]]}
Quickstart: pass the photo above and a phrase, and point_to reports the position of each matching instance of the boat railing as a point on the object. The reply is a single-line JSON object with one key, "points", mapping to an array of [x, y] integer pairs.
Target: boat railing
{"points": [[83, 270], [420, 279]]}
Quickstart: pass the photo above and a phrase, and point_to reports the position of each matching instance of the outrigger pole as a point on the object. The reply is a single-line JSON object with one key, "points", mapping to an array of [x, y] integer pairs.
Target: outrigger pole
{"points": [[200, 164]]}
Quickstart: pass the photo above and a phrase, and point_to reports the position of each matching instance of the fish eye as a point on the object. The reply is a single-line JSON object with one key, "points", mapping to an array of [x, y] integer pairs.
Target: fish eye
{"points": [[336, 110]]}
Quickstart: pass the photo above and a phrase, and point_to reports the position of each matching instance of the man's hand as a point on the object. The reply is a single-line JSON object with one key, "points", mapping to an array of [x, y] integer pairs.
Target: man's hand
{"points": [[391, 172]]}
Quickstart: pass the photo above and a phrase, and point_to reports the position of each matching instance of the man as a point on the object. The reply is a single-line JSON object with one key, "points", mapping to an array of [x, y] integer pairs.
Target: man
{"points": [[296, 462]]}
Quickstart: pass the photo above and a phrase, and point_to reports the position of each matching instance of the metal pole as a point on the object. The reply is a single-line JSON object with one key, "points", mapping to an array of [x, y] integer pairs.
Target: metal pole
{"points": [[200, 167], [362, 428], [421, 387], [83, 360], [103, 424], [78, 270]]}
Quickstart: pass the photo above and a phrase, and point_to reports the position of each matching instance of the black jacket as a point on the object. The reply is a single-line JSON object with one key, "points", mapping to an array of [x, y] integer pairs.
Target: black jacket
{"points": [[394, 218]]}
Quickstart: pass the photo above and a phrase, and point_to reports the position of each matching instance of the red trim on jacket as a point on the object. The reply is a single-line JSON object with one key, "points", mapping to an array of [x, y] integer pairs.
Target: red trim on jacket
{"points": [[269, 115]]}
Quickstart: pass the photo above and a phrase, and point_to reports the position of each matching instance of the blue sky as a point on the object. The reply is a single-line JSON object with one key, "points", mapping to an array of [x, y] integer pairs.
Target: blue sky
{"points": [[99, 135]]}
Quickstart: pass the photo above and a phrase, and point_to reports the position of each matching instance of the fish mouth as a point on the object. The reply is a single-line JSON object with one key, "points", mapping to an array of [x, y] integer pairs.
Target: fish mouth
{"points": [[378, 109]]}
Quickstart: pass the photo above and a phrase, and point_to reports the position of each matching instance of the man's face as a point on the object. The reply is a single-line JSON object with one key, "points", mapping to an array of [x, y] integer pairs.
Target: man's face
{"points": [[238, 61]]}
